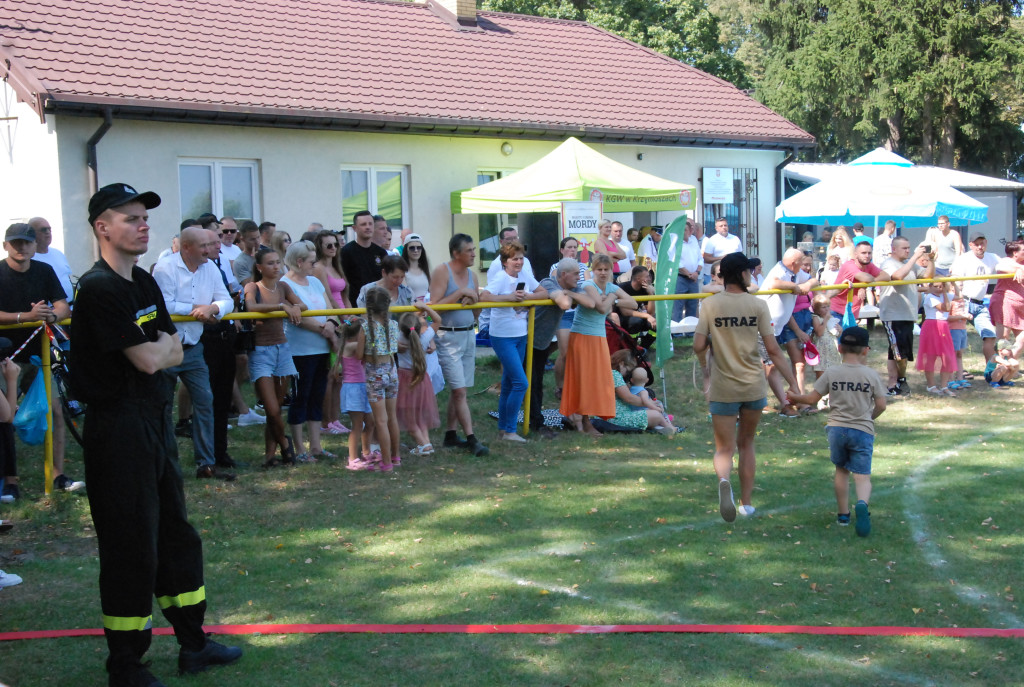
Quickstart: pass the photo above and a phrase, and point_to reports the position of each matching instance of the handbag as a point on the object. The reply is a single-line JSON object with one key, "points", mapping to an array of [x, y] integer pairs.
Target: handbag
{"points": [[245, 339], [30, 421]]}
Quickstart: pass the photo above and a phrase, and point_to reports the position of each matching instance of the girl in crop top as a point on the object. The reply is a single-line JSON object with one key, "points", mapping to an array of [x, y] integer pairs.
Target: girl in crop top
{"points": [[270, 365], [379, 334], [349, 371]]}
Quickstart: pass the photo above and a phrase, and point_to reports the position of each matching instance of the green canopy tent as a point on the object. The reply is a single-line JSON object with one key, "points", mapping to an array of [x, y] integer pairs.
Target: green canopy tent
{"points": [[573, 172]]}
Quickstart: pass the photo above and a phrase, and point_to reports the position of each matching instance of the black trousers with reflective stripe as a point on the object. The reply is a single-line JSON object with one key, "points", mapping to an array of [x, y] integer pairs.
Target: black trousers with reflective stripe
{"points": [[147, 546]]}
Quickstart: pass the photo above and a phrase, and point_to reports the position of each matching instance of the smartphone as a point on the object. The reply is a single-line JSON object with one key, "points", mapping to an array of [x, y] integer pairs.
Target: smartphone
{"points": [[927, 248], [520, 286]]}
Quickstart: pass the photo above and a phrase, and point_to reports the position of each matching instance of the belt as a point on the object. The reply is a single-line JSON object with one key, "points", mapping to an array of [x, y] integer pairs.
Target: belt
{"points": [[976, 301], [185, 347], [458, 329]]}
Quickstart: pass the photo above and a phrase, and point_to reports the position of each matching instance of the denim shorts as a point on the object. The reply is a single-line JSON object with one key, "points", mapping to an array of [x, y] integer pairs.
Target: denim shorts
{"points": [[733, 409], [804, 322], [851, 449], [271, 361], [567, 318], [353, 398], [959, 339]]}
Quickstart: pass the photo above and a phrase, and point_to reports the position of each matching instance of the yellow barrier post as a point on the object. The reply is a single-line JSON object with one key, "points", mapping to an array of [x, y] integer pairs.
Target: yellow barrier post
{"points": [[529, 370], [44, 356]]}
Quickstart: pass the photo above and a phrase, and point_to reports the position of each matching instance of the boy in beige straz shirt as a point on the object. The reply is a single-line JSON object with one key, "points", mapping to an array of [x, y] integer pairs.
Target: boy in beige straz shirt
{"points": [[856, 397]]}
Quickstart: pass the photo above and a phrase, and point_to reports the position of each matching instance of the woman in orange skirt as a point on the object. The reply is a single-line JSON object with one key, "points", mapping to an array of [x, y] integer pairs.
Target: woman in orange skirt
{"points": [[588, 389]]}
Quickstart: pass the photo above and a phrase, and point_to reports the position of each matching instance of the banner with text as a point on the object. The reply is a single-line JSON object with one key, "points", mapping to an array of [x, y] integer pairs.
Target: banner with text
{"points": [[718, 186], [580, 220]]}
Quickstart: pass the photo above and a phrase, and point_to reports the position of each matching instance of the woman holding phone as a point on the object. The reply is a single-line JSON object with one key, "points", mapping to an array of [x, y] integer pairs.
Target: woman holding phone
{"points": [[508, 333]]}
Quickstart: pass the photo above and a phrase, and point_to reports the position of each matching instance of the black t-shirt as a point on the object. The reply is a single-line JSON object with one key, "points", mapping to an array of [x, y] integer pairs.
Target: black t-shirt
{"points": [[112, 314], [628, 288], [19, 290], [361, 265]]}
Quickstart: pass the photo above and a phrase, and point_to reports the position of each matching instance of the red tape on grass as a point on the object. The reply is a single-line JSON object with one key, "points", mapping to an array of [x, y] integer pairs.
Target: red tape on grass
{"points": [[271, 629]]}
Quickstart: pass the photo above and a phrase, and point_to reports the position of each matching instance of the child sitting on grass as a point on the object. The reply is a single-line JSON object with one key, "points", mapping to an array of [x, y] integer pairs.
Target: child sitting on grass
{"points": [[856, 397], [1002, 367]]}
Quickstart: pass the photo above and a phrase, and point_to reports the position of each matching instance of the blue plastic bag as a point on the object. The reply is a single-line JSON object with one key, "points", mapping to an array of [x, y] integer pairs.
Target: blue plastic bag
{"points": [[848, 319], [30, 420]]}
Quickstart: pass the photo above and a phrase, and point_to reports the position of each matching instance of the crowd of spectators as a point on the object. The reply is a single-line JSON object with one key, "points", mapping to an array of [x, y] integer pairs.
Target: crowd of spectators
{"points": [[215, 266]]}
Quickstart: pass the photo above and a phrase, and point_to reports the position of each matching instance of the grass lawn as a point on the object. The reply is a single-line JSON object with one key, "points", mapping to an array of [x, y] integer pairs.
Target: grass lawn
{"points": [[619, 530]]}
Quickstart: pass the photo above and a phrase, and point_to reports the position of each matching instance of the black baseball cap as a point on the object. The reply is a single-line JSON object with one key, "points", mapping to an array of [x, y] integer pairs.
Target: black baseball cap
{"points": [[20, 231], [735, 263], [854, 336], [116, 195]]}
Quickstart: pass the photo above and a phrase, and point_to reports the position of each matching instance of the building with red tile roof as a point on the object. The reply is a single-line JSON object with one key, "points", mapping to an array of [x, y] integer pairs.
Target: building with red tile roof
{"points": [[300, 110]]}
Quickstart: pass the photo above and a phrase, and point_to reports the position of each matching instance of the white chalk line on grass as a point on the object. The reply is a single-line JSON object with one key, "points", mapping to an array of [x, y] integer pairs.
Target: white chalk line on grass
{"points": [[925, 539], [914, 517]]}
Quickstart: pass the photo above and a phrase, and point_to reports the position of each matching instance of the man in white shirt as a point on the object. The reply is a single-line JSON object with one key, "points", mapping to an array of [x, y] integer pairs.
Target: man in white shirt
{"points": [[688, 273], [883, 243], [192, 285], [897, 308], [973, 263], [647, 254], [718, 245], [626, 265], [51, 256], [227, 233]]}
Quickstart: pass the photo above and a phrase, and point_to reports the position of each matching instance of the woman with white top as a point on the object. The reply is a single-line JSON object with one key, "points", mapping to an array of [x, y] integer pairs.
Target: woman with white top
{"points": [[310, 342], [418, 276], [508, 333]]}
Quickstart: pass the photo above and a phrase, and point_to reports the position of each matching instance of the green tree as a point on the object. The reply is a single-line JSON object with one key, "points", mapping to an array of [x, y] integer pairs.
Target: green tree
{"points": [[685, 30], [937, 80]]}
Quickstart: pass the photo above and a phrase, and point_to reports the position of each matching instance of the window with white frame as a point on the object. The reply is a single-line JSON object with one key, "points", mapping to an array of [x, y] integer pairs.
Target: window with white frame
{"points": [[383, 190], [224, 187]]}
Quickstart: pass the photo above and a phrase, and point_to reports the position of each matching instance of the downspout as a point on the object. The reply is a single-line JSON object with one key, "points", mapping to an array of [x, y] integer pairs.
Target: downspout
{"points": [[779, 187], [91, 164]]}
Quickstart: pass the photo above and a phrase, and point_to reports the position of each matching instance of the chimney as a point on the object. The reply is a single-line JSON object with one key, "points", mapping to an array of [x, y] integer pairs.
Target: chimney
{"points": [[460, 12]]}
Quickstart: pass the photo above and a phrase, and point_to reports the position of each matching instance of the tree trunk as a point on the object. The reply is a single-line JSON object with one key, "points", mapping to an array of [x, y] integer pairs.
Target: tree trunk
{"points": [[895, 137], [947, 146], [927, 133]]}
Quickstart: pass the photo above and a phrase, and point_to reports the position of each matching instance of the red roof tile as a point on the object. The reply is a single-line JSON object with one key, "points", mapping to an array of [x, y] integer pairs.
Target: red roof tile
{"points": [[371, 60]]}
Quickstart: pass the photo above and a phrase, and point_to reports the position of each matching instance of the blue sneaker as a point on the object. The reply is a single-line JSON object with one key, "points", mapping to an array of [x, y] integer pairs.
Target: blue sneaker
{"points": [[863, 525], [843, 519]]}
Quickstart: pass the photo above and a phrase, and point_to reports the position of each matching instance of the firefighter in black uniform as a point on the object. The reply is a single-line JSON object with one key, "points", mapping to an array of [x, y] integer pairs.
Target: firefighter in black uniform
{"points": [[123, 338]]}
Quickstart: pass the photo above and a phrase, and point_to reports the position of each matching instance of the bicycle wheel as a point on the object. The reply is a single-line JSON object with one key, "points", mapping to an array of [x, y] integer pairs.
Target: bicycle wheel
{"points": [[74, 411]]}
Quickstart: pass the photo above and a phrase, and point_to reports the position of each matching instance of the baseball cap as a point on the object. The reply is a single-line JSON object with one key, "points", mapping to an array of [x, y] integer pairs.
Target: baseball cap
{"points": [[863, 239], [412, 237], [854, 336], [977, 236], [116, 195], [658, 230], [811, 355], [20, 230], [735, 263]]}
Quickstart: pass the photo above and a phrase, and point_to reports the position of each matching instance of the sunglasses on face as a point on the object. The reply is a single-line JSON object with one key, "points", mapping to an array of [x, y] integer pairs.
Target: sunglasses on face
{"points": [[228, 231], [414, 247]]}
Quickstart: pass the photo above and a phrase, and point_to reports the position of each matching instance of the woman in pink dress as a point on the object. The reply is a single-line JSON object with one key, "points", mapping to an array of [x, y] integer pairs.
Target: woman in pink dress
{"points": [[1006, 306], [328, 271]]}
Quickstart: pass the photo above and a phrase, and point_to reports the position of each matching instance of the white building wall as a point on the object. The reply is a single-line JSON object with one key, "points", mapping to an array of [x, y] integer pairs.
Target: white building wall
{"points": [[300, 179], [29, 179]]}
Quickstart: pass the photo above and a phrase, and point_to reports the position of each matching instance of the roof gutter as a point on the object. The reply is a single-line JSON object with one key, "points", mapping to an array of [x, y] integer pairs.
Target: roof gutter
{"points": [[92, 169], [195, 113]]}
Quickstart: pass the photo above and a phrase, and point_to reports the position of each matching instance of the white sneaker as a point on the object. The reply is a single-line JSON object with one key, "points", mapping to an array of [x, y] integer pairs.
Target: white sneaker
{"points": [[8, 579], [512, 436], [251, 418], [745, 510]]}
